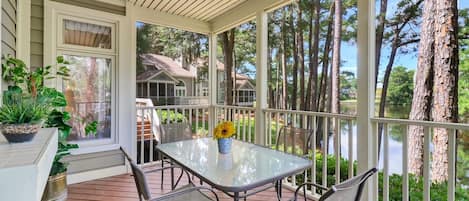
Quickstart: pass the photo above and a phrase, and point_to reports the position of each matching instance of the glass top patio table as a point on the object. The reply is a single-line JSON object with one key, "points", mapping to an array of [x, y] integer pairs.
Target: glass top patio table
{"points": [[247, 166]]}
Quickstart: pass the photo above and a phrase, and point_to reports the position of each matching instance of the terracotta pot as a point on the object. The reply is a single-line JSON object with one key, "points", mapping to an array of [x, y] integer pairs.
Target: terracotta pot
{"points": [[15, 133], [56, 188]]}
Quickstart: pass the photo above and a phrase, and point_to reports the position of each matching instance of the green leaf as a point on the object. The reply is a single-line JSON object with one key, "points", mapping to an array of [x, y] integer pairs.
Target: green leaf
{"points": [[60, 59]]}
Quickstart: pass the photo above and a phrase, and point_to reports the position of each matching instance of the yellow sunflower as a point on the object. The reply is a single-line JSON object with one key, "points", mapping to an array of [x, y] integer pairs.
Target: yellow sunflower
{"points": [[224, 130]]}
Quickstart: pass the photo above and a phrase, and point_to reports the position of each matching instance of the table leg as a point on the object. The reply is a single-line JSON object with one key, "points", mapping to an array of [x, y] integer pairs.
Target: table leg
{"points": [[162, 165], [172, 176], [278, 189], [236, 196], [245, 197]]}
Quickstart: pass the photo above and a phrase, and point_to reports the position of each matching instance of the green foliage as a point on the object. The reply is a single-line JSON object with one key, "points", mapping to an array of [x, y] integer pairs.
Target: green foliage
{"points": [[348, 85], [171, 117], [28, 100], [23, 112], [401, 86], [463, 83], [438, 192]]}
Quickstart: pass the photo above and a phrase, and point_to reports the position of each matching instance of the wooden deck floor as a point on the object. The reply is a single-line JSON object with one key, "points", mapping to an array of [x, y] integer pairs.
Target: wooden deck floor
{"points": [[122, 188]]}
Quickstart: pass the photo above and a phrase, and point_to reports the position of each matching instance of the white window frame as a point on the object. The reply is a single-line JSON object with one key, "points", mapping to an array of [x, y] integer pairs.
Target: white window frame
{"points": [[112, 139], [71, 17], [121, 46]]}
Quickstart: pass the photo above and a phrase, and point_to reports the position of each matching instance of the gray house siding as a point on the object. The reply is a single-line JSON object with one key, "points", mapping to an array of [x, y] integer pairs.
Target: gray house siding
{"points": [[37, 31], [189, 87], [9, 27]]}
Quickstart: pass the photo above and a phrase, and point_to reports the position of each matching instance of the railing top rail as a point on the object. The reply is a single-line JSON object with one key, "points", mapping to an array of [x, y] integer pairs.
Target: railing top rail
{"points": [[163, 107], [320, 114], [447, 125], [234, 107]]}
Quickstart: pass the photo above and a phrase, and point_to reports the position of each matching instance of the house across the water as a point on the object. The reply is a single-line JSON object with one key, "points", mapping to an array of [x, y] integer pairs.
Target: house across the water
{"points": [[167, 81]]}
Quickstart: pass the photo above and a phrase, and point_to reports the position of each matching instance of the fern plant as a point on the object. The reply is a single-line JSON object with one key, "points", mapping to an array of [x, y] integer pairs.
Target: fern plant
{"points": [[23, 112]]}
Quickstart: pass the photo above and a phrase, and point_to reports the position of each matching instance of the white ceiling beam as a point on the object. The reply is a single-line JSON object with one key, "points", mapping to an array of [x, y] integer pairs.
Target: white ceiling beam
{"points": [[243, 13], [151, 16]]}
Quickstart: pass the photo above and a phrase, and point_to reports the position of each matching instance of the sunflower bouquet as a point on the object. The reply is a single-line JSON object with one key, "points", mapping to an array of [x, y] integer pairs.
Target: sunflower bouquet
{"points": [[224, 130]]}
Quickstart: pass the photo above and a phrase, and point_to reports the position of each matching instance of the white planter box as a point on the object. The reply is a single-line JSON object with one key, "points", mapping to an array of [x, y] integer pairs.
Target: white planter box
{"points": [[25, 167]]}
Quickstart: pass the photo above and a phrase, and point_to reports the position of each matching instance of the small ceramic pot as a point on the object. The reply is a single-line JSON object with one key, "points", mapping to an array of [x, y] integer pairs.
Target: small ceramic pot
{"points": [[16, 133], [224, 145]]}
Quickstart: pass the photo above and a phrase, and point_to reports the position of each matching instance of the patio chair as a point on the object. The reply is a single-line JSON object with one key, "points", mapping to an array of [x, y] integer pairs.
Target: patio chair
{"points": [[184, 193], [349, 190], [298, 139]]}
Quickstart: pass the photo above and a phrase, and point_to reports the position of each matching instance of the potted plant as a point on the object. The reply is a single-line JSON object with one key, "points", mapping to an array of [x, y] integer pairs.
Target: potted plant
{"points": [[24, 83], [22, 120], [223, 133]]}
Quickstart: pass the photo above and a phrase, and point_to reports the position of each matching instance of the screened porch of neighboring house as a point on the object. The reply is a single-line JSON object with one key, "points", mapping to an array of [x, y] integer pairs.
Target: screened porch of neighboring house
{"points": [[138, 110]]}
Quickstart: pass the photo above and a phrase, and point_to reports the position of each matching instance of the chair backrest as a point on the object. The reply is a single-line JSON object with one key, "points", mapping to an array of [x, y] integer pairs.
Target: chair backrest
{"points": [[139, 177], [297, 139], [174, 132], [349, 190]]}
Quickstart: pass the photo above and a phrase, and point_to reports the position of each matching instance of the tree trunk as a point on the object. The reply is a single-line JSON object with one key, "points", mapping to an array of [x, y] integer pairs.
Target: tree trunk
{"points": [[379, 35], [336, 57], [295, 63], [301, 54], [445, 101], [311, 92], [422, 96], [228, 46], [325, 64], [284, 61], [387, 74]]}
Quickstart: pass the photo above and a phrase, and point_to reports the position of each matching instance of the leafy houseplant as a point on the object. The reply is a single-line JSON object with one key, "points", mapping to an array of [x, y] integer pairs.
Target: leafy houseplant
{"points": [[22, 120], [29, 85]]}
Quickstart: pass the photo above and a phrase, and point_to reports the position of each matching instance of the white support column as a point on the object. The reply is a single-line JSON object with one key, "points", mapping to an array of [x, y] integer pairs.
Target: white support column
{"points": [[23, 31], [261, 74], [366, 133], [212, 80]]}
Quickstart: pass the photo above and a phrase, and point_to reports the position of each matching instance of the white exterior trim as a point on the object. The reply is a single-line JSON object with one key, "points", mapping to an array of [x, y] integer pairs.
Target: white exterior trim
{"points": [[23, 32], [96, 174], [367, 142], [243, 13], [124, 85], [261, 75]]}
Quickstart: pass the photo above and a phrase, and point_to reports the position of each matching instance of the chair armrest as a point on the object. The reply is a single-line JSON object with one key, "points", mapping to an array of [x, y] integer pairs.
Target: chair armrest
{"points": [[313, 184], [305, 184], [183, 191]]}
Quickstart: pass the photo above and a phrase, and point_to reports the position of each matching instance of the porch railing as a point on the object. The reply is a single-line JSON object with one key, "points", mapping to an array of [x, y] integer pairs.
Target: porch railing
{"points": [[242, 117], [334, 147], [168, 122], [328, 141], [427, 127]]}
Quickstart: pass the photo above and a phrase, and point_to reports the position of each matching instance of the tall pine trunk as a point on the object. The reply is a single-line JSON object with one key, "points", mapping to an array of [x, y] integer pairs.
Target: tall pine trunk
{"points": [[379, 35], [294, 98], [445, 101], [336, 57], [228, 46], [284, 60], [311, 92], [301, 57], [325, 64], [422, 96]]}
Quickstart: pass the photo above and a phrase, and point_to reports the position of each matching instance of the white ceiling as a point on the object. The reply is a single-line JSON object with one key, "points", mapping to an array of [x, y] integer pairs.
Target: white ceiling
{"points": [[203, 10]]}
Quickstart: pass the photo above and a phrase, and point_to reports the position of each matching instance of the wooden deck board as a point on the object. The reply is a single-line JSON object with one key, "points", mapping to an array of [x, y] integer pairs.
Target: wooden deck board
{"points": [[122, 188]]}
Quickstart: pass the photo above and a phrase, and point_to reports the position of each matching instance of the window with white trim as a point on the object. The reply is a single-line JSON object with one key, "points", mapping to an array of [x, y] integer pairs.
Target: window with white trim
{"points": [[89, 46]]}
